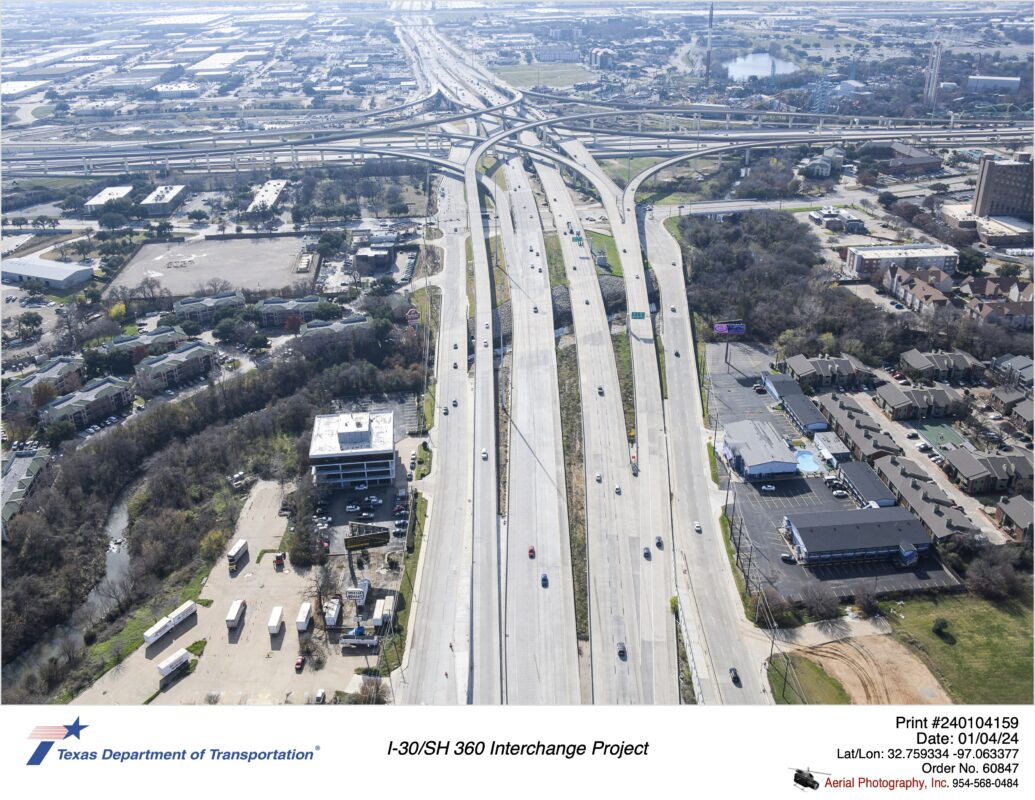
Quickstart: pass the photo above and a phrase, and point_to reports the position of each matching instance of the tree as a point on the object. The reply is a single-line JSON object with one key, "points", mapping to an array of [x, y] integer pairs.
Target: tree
{"points": [[163, 229], [19, 222], [819, 602], [939, 188], [326, 310], [972, 262], [224, 329], [117, 312], [191, 327], [211, 545], [113, 220], [1008, 270], [197, 215], [258, 341], [59, 431], [29, 325], [82, 247]]}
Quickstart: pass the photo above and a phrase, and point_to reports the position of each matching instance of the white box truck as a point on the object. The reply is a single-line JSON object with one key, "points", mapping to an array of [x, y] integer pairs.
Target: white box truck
{"points": [[184, 611], [379, 610], [276, 620], [388, 612], [233, 616], [173, 662], [305, 614], [158, 630]]}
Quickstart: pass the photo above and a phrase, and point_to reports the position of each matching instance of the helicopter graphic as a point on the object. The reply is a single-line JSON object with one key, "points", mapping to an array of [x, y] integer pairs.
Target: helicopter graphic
{"points": [[804, 778]]}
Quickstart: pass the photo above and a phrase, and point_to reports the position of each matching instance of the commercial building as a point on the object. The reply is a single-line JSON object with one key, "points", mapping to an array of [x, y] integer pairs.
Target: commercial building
{"points": [[64, 374], [150, 343], [52, 274], [835, 219], [827, 371], [203, 309], [862, 262], [352, 448], [163, 200], [557, 53], [94, 205], [983, 473], [867, 534], [267, 195], [899, 402], [940, 365], [756, 451], [916, 492], [1004, 188], [98, 399], [863, 484], [187, 361], [276, 311], [856, 428], [992, 83]]}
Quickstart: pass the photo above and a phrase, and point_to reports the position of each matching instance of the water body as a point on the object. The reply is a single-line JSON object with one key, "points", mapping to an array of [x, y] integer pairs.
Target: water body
{"points": [[757, 65], [93, 607], [807, 463]]}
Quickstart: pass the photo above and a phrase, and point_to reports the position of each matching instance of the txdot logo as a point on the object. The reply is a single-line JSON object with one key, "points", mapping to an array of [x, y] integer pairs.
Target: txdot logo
{"points": [[47, 735]]}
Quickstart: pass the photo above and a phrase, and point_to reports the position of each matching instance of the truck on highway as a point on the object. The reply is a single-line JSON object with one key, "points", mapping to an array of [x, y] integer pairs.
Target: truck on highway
{"points": [[176, 661], [276, 620], [305, 615], [233, 616], [633, 458], [166, 624]]}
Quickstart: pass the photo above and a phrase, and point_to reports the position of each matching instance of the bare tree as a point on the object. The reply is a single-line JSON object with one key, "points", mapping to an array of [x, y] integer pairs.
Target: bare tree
{"points": [[71, 650], [373, 691], [866, 599], [819, 602]]}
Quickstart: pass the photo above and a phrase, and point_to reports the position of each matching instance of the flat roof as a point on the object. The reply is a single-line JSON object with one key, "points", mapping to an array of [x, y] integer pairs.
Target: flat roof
{"points": [[217, 61], [864, 529], [107, 194], [352, 433], [865, 481], [905, 250], [267, 194], [758, 442], [33, 266], [162, 194]]}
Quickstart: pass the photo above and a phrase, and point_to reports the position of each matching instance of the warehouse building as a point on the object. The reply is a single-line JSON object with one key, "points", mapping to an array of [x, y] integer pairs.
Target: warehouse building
{"points": [[52, 274], [867, 534], [353, 448], [992, 83], [187, 361], [95, 401], [163, 200], [203, 309], [756, 451]]}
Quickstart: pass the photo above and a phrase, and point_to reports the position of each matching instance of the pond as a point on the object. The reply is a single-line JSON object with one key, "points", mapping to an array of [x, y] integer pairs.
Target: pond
{"points": [[757, 65]]}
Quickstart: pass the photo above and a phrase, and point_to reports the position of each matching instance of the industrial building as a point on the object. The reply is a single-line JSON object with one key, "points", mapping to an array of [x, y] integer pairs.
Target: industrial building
{"points": [[992, 83], [756, 451], [52, 274], [1004, 188], [94, 205], [98, 399], [867, 534], [163, 200], [64, 374], [862, 262], [203, 309], [353, 448]]}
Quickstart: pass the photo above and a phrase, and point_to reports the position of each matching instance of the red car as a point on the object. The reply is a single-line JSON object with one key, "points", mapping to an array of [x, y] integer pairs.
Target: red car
{"points": [[531, 551], [299, 663]]}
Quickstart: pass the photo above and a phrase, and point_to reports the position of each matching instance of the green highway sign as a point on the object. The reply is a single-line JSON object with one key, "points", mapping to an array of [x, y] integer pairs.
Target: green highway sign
{"points": [[638, 315]]}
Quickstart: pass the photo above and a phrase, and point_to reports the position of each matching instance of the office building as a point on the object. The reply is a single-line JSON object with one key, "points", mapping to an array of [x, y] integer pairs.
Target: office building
{"points": [[353, 448], [1004, 188]]}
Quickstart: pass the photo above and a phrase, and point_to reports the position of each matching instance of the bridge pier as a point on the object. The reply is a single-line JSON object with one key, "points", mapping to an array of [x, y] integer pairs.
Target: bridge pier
{"points": [[208, 164], [727, 121]]}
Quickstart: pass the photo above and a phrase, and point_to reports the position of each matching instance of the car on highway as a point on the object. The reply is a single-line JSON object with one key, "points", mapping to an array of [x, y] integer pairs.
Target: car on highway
{"points": [[544, 580], [445, 411], [486, 326], [622, 651], [618, 489], [456, 346], [734, 676], [454, 404], [767, 487], [485, 342], [454, 365], [531, 551], [673, 309], [535, 309], [646, 553], [485, 454], [697, 526], [299, 663], [658, 543], [600, 391]]}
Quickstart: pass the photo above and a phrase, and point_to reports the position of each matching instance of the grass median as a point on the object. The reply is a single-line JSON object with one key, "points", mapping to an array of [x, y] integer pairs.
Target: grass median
{"points": [[623, 360], [574, 479], [605, 242], [555, 260]]}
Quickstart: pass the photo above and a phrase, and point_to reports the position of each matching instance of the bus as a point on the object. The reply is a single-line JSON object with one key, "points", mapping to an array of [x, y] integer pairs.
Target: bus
{"points": [[237, 554]]}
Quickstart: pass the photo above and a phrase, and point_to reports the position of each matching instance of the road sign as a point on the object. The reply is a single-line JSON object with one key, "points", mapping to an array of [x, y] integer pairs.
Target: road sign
{"points": [[638, 315]]}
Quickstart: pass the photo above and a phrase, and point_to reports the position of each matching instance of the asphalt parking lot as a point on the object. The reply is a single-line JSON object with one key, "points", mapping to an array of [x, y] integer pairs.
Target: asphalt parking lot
{"points": [[731, 397], [762, 514]]}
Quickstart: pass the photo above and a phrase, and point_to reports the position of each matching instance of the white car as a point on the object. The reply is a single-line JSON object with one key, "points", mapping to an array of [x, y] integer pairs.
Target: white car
{"points": [[768, 487], [618, 489], [840, 494], [485, 454], [599, 479], [697, 527]]}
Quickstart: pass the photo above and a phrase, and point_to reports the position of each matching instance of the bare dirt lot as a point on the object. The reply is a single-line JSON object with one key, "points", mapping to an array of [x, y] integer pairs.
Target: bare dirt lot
{"points": [[182, 267], [878, 670]]}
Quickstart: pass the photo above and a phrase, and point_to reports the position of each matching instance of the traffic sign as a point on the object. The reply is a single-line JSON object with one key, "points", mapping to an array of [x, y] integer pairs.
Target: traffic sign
{"points": [[638, 315]]}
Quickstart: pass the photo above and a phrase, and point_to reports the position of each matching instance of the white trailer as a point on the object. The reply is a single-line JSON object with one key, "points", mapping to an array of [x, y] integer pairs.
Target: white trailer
{"points": [[184, 611], [276, 620], [158, 630], [173, 662], [331, 613], [379, 610], [233, 616], [388, 612], [305, 614]]}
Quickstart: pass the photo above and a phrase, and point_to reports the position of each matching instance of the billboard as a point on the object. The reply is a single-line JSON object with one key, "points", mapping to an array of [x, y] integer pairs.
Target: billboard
{"points": [[362, 536], [730, 328]]}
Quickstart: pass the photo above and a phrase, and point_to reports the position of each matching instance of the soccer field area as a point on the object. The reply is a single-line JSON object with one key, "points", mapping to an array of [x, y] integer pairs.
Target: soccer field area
{"points": [[525, 76]]}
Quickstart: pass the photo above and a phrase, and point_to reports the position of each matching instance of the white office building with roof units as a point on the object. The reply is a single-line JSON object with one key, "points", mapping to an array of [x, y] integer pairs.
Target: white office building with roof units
{"points": [[352, 448]]}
